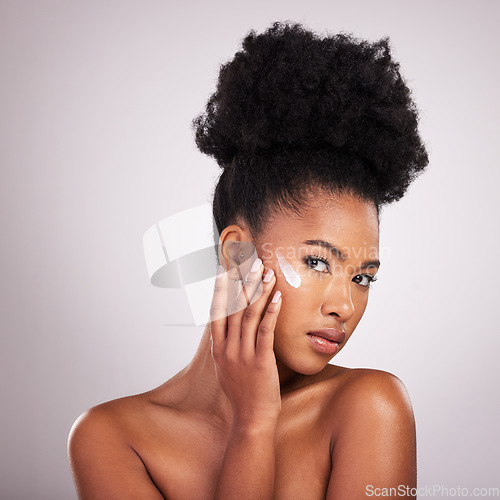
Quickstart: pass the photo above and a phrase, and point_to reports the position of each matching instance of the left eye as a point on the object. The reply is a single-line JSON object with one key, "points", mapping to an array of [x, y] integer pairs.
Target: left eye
{"points": [[364, 279], [317, 264]]}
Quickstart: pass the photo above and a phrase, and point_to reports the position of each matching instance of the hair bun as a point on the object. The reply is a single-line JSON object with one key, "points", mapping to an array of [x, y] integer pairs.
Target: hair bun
{"points": [[292, 104], [289, 89]]}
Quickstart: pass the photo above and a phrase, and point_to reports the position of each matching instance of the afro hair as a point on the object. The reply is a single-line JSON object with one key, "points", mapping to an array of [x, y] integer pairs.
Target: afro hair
{"points": [[293, 110]]}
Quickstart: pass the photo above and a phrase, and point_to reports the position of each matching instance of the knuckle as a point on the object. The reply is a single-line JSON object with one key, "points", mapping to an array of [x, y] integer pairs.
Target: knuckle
{"points": [[265, 329], [250, 314], [238, 304], [271, 310], [215, 313]]}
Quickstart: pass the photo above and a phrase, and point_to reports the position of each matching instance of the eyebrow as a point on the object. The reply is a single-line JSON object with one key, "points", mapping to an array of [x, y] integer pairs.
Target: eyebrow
{"points": [[338, 253]]}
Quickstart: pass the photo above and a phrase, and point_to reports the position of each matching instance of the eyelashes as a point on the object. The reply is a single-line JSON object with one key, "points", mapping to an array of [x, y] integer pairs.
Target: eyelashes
{"points": [[371, 279], [321, 264], [312, 261]]}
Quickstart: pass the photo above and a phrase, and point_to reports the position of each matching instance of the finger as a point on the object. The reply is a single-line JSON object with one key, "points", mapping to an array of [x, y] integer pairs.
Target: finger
{"points": [[252, 316], [265, 333], [240, 306], [218, 309], [252, 281]]}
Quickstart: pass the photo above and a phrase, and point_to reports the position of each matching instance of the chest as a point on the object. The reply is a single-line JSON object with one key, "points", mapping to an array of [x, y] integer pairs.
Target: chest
{"points": [[185, 464]]}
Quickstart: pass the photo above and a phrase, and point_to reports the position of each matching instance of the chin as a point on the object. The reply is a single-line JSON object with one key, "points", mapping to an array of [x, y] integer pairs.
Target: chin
{"points": [[307, 364], [301, 356]]}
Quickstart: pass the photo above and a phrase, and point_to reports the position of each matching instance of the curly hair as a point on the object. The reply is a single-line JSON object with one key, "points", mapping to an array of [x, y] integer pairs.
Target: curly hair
{"points": [[293, 111]]}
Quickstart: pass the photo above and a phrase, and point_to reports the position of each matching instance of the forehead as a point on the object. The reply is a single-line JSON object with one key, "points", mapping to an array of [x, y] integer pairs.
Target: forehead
{"points": [[343, 220]]}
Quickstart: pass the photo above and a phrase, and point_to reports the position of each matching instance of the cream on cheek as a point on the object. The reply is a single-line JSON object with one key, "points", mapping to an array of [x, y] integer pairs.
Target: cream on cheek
{"points": [[291, 276]]}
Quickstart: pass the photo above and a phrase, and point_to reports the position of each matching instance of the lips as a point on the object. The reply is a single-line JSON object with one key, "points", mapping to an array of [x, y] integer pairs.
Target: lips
{"points": [[327, 340], [329, 334]]}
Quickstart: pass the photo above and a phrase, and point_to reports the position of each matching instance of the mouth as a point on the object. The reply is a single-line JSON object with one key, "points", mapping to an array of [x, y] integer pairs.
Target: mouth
{"points": [[327, 340]]}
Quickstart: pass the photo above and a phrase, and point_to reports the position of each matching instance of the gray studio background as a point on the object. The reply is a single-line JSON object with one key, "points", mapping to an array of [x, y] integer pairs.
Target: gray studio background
{"points": [[95, 108]]}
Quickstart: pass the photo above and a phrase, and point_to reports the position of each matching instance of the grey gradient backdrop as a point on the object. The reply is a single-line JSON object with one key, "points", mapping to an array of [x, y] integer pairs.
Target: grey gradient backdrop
{"points": [[95, 143]]}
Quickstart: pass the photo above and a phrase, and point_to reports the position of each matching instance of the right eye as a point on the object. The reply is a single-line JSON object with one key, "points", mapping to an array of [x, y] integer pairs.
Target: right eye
{"points": [[318, 264]]}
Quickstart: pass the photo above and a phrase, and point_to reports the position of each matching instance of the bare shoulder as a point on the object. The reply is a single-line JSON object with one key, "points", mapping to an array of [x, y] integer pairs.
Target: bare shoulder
{"points": [[372, 432], [103, 462], [369, 392], [107, 418], [94, 418], [359, 383]]}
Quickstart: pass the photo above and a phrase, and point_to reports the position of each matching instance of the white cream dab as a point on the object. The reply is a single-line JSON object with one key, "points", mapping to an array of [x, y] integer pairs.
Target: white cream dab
{"points": [[291, 276]]}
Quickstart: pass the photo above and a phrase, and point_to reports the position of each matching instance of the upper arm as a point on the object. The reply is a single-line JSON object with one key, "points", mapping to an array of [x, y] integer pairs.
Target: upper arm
{"points": [[103, 464], [374, 443]]}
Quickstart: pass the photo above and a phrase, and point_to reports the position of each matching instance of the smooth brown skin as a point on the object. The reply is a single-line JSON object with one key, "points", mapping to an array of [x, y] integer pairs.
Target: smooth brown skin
{"points": [[260, 423]]}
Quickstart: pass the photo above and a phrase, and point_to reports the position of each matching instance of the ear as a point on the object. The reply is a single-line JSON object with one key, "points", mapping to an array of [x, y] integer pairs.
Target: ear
{"points": [[235, 244]]}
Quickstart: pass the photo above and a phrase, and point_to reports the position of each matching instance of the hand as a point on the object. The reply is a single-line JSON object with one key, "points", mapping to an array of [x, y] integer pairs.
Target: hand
{"points": [[242, 346]]}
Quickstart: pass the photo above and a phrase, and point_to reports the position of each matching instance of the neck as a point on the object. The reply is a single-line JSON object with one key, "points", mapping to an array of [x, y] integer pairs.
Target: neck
{"points": [[201, 389]]}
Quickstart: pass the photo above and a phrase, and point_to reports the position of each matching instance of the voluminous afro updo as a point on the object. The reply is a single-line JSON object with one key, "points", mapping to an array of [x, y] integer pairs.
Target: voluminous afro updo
{"points": [[293, 110]]}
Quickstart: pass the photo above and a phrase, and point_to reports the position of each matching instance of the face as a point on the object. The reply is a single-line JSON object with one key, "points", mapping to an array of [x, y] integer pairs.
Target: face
{"points": [[333, 249]]}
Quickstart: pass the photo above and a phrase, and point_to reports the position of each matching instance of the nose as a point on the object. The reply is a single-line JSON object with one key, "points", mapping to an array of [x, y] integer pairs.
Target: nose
{"points": [[337, 300]]}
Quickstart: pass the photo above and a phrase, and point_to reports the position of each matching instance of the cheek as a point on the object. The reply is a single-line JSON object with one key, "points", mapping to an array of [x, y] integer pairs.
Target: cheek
{"points": [[298, 304]]}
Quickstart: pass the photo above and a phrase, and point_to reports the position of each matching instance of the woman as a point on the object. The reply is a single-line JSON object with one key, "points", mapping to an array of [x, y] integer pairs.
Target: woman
{"points": [[314, 136]]}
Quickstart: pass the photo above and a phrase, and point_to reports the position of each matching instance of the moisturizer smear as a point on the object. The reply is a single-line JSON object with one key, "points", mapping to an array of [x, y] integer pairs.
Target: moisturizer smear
{"points": [[291, 276]]}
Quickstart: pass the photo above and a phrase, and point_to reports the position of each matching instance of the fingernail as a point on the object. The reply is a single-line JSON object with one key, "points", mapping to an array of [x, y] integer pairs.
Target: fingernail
{"points": [[276, 297], [268, 276], [256, 264]]}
